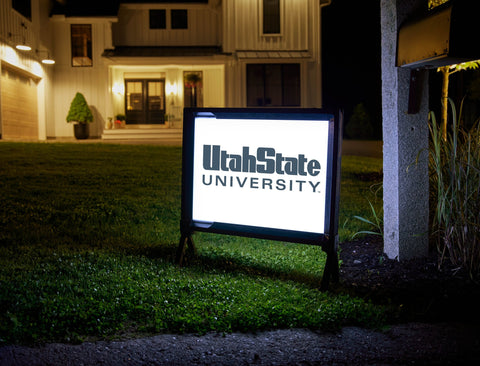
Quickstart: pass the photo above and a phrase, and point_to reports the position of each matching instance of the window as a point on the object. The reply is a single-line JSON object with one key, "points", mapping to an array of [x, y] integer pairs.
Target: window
{"points": [[24, 7], [273, 85], [179, 19], [81, 44], [192, 89], [158, 19], [271, 17]]}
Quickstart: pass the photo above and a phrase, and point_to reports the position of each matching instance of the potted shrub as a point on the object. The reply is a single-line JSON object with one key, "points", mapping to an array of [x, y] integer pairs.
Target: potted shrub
{"points": [[81, 115], [120, 120]]}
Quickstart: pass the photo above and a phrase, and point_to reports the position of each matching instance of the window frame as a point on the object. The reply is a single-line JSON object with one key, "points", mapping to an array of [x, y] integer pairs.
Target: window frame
{"points": [[88, 46], [283, 66], [262, 15], [153, 13]]}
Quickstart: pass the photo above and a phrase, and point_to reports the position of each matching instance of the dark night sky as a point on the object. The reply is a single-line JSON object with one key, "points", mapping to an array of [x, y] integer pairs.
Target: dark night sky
{"points": [[351, 57]]}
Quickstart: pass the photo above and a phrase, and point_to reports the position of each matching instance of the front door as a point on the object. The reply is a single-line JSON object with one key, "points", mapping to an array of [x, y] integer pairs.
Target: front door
{"points": [[145, 101]]}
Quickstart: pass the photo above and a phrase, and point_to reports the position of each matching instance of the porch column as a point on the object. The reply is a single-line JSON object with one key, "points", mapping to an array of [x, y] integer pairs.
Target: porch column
{"points": [[405, 184]]}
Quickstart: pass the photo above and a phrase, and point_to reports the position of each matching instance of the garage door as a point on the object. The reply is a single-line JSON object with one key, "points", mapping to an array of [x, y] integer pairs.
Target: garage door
{"points": [[18, 105]]}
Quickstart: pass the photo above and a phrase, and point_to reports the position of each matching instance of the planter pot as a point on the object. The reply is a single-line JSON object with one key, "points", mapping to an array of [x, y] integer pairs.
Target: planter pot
{"points": [[81, 131]]}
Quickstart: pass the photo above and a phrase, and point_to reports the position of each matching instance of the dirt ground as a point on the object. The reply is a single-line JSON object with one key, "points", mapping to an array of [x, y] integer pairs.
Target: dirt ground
{"points": [[435, 322]]}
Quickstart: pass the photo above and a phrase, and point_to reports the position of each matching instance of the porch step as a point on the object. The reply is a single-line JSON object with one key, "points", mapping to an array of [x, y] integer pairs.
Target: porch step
{"points": [[148, 133]]}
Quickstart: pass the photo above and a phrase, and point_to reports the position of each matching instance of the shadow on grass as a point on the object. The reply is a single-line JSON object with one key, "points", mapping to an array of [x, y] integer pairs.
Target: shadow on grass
{"points": [[214, 262], [252, 268]]}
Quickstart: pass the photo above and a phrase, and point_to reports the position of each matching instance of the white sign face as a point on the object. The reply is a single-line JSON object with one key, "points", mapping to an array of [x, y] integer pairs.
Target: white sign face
{"points": [[265, 173]]}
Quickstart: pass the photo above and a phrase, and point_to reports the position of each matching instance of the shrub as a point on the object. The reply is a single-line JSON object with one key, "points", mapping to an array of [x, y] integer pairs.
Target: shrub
{"points": [[79, 110], [359, 125], [455, 184]]}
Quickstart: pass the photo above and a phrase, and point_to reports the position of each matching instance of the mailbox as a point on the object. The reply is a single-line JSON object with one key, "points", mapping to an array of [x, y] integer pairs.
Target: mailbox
{"points": [[446, 36]]}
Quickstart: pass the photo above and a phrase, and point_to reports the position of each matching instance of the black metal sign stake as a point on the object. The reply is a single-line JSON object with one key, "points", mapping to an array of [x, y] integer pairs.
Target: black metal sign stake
{"points": [[186, 243]]}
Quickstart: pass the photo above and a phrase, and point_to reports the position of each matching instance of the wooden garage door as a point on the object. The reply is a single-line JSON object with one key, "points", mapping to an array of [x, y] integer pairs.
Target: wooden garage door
{"points": [[19, 105]]}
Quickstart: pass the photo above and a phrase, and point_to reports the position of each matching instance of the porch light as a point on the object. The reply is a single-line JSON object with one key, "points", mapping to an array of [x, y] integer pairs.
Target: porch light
{"points": [[118, 88], [172, 88]]}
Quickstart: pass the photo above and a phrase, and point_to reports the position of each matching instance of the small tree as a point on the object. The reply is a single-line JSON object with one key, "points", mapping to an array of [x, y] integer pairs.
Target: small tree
{"points": [[79, 110], [359, 125]]}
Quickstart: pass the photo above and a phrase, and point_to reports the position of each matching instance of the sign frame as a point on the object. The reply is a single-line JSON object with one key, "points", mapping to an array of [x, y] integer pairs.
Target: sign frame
{"points": [[328, 239]]}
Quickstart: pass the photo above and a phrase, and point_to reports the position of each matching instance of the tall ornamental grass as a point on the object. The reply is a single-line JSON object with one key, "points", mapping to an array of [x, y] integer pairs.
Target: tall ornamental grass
{"points": [[455, 185]]}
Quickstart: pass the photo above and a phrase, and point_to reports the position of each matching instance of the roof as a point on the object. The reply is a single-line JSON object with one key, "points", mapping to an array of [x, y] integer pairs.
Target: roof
{"points": [[85, 8], [273, 54], [99, 8], [164, 1], [163, 51]]}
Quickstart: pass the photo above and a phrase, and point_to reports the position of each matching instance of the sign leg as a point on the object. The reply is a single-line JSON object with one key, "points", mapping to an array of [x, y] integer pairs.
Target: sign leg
{"points": [[186, 242], [331, 271]]}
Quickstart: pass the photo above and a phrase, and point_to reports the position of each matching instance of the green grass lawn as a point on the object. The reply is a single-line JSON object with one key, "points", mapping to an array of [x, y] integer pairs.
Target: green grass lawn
{"points": [[88, 234]]}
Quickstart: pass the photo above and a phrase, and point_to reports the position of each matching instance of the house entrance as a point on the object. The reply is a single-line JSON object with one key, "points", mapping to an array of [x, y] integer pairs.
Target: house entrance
{"points": [[145, 101]]}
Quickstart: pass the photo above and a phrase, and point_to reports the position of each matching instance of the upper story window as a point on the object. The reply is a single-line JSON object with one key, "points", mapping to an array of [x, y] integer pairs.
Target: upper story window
{"points": [[179, 18], [158, 19], [24, 7], [271, 19], [81, 43]]}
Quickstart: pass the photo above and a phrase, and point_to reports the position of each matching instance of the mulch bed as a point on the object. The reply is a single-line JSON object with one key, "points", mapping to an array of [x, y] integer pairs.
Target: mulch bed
{"points": [[417, 288]]}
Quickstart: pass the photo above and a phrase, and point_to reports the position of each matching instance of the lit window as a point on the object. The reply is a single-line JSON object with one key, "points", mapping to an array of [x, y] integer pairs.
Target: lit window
{"points": [[81, 45]]}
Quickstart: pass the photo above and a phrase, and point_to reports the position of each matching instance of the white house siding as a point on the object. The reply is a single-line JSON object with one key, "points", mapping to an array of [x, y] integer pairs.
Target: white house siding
{"points": [[214, 87], [234, 25], [133, 26], [15, 27], [299, 42], [242, 23], [91, 81]]}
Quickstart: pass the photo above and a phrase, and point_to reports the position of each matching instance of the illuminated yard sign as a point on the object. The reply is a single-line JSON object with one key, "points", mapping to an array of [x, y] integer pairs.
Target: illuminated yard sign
{"points": [[265, 173]]}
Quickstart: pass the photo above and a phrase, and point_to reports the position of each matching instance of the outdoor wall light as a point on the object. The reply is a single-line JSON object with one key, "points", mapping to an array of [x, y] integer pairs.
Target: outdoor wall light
{"points": [[47, 60], [23, 47], [172, 88], [21, 44], [118, 88]]}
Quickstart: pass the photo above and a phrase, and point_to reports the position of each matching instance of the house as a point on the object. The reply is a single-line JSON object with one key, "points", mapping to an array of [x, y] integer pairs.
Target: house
{"points": [[147, 60]]}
